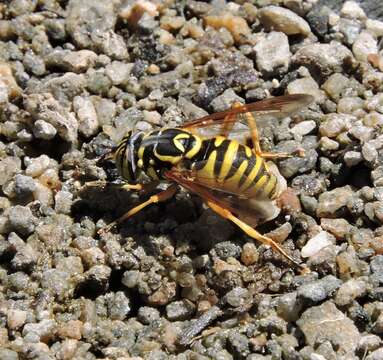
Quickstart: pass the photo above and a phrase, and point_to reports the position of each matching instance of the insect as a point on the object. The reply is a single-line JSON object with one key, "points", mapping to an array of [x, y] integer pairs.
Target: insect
{"points": [[204, 157]]}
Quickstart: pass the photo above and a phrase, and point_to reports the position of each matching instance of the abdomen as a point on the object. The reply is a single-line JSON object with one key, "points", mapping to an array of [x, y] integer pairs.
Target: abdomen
{"points": [[227, 165]]}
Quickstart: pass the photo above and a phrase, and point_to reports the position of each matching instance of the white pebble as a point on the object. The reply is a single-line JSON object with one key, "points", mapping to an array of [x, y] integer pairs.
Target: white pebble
{"points": [[364, 45], [304, 127], [375, 27], [37, 166], [44, 130], [315, 244], [352, 10]]}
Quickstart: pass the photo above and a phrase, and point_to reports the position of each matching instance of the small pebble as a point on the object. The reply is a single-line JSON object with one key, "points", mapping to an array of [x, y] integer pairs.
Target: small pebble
{"points": [[179, 310], [316, 244], [44, 130], [284, 20]]}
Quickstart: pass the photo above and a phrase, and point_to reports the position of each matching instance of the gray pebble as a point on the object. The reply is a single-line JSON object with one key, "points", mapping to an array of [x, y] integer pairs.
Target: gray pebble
{"points": [[9, 166], [226, 249], [43, 331], [7, 354], [179, 310], [131, 278], [273, 53], [352, 158], [21, 220], [319, 290], [147, 315], [289, 306], [24, 185], [63, 202], [349, 291], [224, 101], [118, 305], [239, 297], [332, 201], [86, 115], [44, 130], [326, 322], [34, 64], [45, 107], [375, 355], [323, 59], [86, 17], [377, 268], [350, 29], [238, 344], [71, 61], [56, 281]]}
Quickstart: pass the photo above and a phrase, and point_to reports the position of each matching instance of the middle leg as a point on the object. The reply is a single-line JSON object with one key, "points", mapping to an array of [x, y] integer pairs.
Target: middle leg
{"points": [[257, 147], [160, 197]]}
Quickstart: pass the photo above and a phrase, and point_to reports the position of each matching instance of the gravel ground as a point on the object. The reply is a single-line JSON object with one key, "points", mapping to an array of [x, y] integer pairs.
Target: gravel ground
{"points": [[177, 281]]}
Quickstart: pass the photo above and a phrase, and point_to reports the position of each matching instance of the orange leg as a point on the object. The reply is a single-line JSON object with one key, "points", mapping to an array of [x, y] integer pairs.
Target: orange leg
{"points": [[257, 147], [138, 187], [162, 196], [253, 233]]}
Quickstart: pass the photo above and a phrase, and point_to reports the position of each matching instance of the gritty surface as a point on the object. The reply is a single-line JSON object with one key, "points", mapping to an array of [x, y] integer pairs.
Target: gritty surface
{"points": [[177, 281]]}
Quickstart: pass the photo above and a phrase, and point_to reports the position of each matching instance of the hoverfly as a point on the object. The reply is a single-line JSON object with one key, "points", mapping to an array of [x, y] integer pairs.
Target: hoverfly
{"points": [[203, 157]]}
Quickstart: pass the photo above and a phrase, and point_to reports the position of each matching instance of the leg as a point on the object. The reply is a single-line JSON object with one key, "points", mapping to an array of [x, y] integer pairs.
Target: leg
{"points": [[252, 232], [162, 196], [257, 147], [229, 120], [124, 186]]}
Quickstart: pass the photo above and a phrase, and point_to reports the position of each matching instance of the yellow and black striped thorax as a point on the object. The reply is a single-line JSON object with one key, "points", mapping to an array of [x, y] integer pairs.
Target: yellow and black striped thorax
{"points": [[217, 162]]}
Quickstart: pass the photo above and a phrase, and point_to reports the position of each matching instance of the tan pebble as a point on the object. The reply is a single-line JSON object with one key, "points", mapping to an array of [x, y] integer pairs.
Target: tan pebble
{"points": [[340, 228], [166, 38], [168, 251], [133, 12], [377, 244], [249, 255], [6, 30], [7, 78], [16, 318], [68, 349], [259, 340], [220, 266], [3, 336], [50, 179], [93, 256], [43, 194], [152, 117], [172, 23], [281, 233], [163, 295], [236, 25], [203, 306], [72, 329], [192, 30], [376, 61], [284, 20], [153, 69], [169, 337], [289, 202]]}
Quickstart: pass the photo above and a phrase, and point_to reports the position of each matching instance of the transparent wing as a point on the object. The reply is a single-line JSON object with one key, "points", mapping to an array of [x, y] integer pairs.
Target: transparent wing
{"points": [[234, 119], [251, 211]]}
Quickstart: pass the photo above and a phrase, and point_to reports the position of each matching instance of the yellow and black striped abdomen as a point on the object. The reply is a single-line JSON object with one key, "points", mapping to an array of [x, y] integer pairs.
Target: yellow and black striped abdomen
{"points": [[227, 165]]}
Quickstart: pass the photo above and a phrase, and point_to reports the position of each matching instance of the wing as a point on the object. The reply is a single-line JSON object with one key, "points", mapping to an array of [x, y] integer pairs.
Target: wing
{"points": [[234, 121], [251, 211]]}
